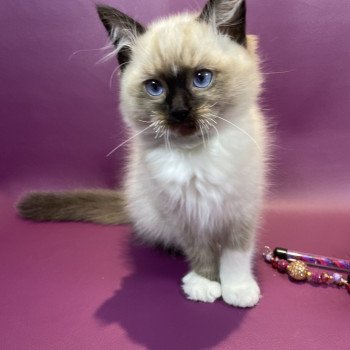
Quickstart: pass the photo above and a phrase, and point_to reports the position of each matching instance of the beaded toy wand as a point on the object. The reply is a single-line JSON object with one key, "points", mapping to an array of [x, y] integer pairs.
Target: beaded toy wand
{"points": [[295, 265], [313, 259]]}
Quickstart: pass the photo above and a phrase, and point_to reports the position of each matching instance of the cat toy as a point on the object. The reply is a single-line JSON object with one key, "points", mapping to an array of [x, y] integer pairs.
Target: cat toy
{"points": [[295, 264], [313, 259]]}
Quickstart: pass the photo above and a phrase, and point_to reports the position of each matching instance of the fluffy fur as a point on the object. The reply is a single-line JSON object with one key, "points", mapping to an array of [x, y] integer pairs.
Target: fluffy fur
{"points": [[200, 190]]}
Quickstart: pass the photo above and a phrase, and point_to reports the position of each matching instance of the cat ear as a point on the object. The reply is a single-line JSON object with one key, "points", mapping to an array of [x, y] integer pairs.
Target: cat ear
{"points": [[228, 17], [122, 31]]}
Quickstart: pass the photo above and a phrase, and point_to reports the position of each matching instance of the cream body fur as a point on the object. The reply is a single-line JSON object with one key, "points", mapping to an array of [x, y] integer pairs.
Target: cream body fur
{"points": [[209, 185], [209, 190], [205, 189], [196, 165]]}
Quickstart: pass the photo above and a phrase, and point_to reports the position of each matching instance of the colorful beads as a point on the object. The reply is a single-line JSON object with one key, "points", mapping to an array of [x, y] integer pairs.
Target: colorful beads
{"points": [[315, 278], [298, 270], [274, 263], [269, 257], [282, 265], [337, 277], [325, 278]]}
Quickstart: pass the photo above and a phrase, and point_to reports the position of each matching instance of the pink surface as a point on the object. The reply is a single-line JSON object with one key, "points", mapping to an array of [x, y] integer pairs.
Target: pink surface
{"points": [[82, 286]]}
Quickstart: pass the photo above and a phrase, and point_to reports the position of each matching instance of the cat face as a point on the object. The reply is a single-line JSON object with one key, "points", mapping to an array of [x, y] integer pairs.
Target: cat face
{"points": [[182, 72]]}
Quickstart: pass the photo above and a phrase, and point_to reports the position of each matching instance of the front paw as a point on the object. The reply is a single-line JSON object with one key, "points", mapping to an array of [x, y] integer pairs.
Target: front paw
{"points": [[243, 294], [200, 288]]}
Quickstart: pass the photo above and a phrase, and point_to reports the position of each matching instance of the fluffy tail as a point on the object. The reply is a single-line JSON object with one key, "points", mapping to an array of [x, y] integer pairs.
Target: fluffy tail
{"points": [[103, 207]]}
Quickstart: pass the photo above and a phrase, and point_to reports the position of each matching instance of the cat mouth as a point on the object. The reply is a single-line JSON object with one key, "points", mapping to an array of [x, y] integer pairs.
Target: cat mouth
{"points": [[184, 129]]}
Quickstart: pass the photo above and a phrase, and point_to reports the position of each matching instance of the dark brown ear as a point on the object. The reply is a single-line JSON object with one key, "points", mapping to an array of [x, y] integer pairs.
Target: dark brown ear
{"points": [[122, 31], [228, 16]]}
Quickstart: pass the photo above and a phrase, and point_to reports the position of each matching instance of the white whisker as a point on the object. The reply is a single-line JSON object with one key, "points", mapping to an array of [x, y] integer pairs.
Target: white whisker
{"points": [[88, 50], [281, 72], [241, 130], [130, 138], [203, 138], [111, 78], [210, 119], [215, 128], [167, 140], [214, 104], [207, 128], [161, 133]]}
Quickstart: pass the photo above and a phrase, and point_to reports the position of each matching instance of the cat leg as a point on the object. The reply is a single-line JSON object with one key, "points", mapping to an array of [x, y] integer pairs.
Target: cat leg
{"points": [[238, 284], [201, 283]]}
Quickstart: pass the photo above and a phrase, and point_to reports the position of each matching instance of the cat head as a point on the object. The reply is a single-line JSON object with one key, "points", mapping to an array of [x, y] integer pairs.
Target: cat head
{"points": [[181, 73]]}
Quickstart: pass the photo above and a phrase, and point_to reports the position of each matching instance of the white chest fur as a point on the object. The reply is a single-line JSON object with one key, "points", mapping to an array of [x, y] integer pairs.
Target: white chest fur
{"points": [[206, 186]]}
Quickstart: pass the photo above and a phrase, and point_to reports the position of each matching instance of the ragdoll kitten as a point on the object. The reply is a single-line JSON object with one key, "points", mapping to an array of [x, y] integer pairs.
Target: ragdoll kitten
{"points": [[195, 176]]}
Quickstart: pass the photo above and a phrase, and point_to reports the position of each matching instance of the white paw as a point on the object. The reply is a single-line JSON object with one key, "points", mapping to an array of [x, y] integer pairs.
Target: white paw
{"points": [[244, 294], [200, 288]]}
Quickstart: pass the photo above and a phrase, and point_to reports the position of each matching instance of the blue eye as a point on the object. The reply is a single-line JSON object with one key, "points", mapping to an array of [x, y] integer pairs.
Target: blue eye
{"points": [[202, 78], [154, 87]]}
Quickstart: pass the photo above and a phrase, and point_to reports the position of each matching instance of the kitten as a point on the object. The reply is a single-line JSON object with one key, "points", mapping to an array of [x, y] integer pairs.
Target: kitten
{"points": [[196, 171]]}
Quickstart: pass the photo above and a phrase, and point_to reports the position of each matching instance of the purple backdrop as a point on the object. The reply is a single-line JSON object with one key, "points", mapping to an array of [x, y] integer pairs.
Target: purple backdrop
{"points": [[76, 286], [58, 110]]}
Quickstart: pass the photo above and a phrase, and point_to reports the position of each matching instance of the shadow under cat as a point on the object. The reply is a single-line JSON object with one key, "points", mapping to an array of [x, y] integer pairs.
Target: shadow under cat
{"points": [[150, 306]]}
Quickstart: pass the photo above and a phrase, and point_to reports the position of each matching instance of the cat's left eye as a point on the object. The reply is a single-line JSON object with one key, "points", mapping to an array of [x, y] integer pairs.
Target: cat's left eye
{"points": [[202, 78]]}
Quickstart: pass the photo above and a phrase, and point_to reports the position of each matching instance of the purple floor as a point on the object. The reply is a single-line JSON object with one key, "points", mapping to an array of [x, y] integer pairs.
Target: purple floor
{"points": [[83, 286], [77, 286]]}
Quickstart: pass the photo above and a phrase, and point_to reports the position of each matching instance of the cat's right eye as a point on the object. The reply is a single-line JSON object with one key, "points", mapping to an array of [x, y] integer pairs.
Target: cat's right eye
{"points": [[154, 87]]}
